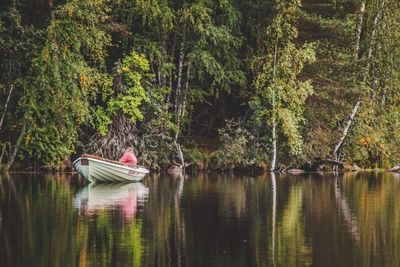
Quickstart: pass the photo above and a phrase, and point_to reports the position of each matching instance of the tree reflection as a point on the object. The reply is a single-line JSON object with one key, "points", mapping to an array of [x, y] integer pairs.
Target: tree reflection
{"points": [[43, 229], [109, 203], [292, 248], [376, 203], [28, 236], [206, 220], [345, 210], [273, 180]]}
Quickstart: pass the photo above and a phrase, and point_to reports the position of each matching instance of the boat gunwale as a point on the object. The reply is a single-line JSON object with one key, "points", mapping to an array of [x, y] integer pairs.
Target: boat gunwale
{"points": [[113, 163]]}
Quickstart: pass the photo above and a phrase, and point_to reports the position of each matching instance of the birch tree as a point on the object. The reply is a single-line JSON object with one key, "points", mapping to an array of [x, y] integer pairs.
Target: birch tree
{"points": [[374, 139], [279, 94], [370, 20]]}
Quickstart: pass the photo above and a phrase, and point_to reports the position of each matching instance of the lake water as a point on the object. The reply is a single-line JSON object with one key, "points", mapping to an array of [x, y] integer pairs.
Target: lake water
{"points": [[206, 220]]}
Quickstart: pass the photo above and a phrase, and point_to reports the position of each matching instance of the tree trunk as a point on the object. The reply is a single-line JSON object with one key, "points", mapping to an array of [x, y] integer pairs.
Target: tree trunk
{"points": [[180, 154], [179, 81], [184, 97], [357, 104], [383, 99], [5, 106], [121, 134], [50, 4], [375, 23], [163, 76], [3, 150], [348, 124], [274, 150], [159, 79], [359, 29], [178, 103], [170, 80], [16, 147], [395, 169]]}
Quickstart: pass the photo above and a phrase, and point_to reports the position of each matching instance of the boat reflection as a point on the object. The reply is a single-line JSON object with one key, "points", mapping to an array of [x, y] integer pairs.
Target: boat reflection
{"points": [[106, 196]]}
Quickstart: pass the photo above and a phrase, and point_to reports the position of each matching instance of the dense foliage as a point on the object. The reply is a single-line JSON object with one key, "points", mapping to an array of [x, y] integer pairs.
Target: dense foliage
{"points": [[299, 81]]}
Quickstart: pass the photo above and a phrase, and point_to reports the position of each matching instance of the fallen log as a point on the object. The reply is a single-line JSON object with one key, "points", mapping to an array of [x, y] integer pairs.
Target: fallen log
{"points": [[395, 169], [175, 169], [178, 168], [295, 171], [321, 164]]}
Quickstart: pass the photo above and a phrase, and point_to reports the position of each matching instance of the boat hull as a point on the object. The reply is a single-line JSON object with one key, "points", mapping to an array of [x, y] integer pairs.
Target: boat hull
{"points": [[100, 170]]}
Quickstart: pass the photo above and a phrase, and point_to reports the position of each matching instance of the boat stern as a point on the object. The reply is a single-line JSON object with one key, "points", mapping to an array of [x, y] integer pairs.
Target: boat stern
{"points": [[81, 165]]}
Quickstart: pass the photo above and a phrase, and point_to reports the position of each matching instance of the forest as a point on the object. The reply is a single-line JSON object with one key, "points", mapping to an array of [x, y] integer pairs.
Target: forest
{"points": [[203, 84]]}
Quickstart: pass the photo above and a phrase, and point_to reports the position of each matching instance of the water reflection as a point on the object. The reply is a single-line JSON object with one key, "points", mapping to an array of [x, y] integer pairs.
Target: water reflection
{"points": [[273, 180], [96, 197], [345, 210], [205, 220]]}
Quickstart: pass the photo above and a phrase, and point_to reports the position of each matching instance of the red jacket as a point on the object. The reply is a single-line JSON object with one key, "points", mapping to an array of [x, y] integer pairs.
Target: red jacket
{"points": [[128, 158]]}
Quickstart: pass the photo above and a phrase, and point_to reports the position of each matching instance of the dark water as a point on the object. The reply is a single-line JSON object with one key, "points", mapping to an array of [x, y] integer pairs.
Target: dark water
{"points": [[213, 220]]}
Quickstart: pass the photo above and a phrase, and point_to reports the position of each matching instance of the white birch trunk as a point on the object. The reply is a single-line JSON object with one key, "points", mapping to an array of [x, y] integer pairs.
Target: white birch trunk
{"points": [[16, 148], [357, 104], [179, 81], [346, 129], [170, 78], [3, 150], [159, 75], [359, 29], [178, 104], [184, 98], [6, 105], [374, 25], [178, 89], [274, 149], [383, 100]]}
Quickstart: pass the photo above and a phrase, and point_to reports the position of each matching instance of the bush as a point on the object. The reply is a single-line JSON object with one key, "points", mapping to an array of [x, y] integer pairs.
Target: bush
{"points": [[234, 146]]}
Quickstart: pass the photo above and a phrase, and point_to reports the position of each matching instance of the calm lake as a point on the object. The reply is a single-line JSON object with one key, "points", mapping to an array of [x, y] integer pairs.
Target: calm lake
{"points": [[206, 220]]}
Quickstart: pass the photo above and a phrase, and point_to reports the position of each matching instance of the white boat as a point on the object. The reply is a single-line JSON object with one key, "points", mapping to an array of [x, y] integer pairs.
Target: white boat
{"points": [[97, 169]]}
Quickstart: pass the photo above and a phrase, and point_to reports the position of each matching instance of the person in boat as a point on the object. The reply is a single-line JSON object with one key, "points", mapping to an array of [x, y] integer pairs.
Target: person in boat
{"points": [[128, 157]]}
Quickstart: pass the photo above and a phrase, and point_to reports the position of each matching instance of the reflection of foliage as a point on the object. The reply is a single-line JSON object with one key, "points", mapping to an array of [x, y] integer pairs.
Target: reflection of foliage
{"points": [[159, 221], [291, 245], [212, 215], [233, 197], [133, 241], [103, 240], [376, 202], [52, 235], [104, 236], [37, 222]]}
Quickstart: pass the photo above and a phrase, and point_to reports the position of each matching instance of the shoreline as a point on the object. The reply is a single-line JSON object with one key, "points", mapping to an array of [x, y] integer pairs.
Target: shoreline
{"points": [[216, 171]]}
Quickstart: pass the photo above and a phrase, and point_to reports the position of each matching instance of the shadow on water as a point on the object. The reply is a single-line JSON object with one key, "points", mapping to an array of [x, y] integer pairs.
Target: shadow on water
{"points": [[351, 219]]}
